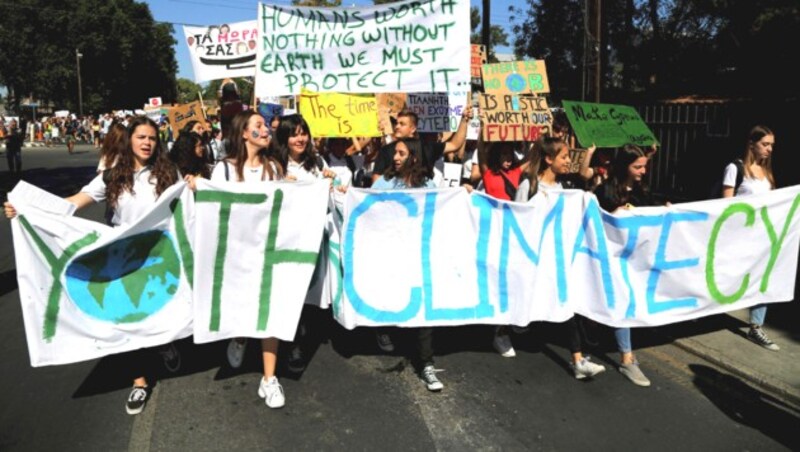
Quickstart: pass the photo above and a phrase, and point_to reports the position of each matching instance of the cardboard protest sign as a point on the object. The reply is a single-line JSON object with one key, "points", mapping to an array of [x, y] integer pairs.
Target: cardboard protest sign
{"points": [[516, 77], [181, 114], [389, 105], [576, 158], [340, 115], [508, 117], [227, 50], [438, 112], [607, 125], [477, 60], [407, 46]]}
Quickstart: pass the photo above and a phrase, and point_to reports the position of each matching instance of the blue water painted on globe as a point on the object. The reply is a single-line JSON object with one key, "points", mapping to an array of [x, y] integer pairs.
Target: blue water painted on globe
{"points": [[127, 280]]}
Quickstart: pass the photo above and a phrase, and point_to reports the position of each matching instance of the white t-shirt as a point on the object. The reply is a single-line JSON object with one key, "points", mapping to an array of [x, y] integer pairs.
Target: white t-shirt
{"points": [[298, 171], [129, 207], [749, 186], [525, 187], [250, 173]]}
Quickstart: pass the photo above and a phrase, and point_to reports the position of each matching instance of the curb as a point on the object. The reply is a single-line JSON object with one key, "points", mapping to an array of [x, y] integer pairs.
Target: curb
{"points": [[778, 389], [27, 144]]}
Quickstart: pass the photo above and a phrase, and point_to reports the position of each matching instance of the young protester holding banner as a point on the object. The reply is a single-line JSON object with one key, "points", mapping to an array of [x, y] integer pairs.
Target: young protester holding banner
{"points": [[406, 127], [141, 173], [549, 169], [248, 161], [409, 171], [756, 178], [624, 189], [294, 148]]}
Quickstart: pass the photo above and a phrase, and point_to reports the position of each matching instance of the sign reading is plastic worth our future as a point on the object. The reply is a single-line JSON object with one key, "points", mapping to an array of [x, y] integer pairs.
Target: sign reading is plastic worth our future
{"points": [[508, 117], [224, 51], [460, 259], [340, 115], [410, 46], [607, 125], [516, 77]]}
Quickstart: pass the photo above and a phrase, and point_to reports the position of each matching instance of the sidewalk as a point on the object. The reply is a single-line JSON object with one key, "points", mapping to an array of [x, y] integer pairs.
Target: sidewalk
{"points": [[722, 341]]}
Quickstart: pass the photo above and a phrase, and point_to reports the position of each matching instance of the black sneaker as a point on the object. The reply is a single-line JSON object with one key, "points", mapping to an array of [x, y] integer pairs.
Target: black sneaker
{"points": [[171, 356], [137, 399], [757, 335], [297, 362]]}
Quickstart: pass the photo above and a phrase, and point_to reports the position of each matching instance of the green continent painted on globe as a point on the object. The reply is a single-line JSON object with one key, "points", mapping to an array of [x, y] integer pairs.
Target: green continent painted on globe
{"points": [[128, 280]]}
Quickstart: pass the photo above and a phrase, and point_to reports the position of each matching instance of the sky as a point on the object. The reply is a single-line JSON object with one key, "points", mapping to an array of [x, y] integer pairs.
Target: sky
{"points": [[215, 12]]}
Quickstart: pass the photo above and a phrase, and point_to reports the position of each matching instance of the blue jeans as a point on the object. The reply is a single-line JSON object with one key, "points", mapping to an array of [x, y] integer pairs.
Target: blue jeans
{"points": [[758, 314], [623, 336]]}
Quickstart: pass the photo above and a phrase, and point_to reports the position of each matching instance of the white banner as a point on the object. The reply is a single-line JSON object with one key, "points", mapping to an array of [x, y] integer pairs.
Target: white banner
{"points": [[88, 290], [257, 246], [410, 46], [428, 257], [223, 51]]}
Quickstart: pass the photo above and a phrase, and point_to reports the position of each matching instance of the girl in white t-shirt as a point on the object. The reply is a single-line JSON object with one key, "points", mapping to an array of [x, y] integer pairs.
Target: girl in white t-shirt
{"points": [[248, 161], [141, 173], [757, 178]]}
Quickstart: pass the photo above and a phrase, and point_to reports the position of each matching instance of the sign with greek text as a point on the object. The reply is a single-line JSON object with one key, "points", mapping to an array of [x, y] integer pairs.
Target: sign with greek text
{"points": [[409, 46], [182, 114], [607, 125], [438, 112], [340, 115], [222, 51], [508, 117], [516, 77]]}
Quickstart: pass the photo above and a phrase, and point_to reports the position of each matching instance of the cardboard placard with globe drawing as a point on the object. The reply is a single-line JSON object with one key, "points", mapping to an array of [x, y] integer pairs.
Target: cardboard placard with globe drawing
{"points": [[515, 77], [90, 290]]}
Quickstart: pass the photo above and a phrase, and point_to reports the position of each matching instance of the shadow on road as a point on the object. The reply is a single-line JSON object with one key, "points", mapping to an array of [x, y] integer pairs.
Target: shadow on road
{"points": [[747, 406], [8, 282]]}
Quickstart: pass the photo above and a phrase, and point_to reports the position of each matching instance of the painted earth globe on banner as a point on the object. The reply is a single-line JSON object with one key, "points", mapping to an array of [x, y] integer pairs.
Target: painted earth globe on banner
{"points": [[126, 281]]}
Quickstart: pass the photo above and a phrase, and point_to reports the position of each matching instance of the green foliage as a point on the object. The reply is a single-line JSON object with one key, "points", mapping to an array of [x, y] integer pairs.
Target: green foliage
{"points": [[245, 85], [126, 56], [498, 36], [187, 91], [666, 48]]}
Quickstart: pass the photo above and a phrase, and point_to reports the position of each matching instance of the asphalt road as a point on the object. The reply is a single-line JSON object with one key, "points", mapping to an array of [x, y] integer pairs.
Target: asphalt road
{"points": [[353, 397]]}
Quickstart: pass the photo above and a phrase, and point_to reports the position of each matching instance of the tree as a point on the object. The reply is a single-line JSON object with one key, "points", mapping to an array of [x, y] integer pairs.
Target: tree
{"points": [[187, 91], [499, 37], [244, 84], [127, 56]]}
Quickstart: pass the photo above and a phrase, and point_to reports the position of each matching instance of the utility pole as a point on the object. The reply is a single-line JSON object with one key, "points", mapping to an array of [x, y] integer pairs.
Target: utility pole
{"points": [[592, 51], [78, 56], [486, 27]]}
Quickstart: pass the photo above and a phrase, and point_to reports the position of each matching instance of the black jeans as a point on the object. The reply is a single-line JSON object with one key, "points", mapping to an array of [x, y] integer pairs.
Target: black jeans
{"points": [[14, 161]]}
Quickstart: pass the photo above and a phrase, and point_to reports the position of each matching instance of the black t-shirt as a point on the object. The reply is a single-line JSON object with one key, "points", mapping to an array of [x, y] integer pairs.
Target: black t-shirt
{"points": [[610, 201], [431, 152]]}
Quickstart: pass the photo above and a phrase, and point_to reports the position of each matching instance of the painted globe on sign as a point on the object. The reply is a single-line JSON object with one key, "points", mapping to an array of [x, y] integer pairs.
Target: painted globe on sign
{"points": [[125, 281], [515, 83]]}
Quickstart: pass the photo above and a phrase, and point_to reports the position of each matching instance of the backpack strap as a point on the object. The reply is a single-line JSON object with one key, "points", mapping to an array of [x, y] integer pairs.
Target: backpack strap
{"points": [[227, 171], [739, 175]]}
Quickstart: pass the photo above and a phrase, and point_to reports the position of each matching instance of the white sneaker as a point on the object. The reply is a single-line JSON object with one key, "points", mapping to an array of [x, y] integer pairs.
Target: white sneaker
{"points": [[586, 369], [236, 348], [502, 343], [272, 392], [428, 376]]}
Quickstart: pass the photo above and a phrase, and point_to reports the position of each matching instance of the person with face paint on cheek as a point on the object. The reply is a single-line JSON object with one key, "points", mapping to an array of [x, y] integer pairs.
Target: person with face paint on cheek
{"points": [[141, 173], [757, 178]]}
